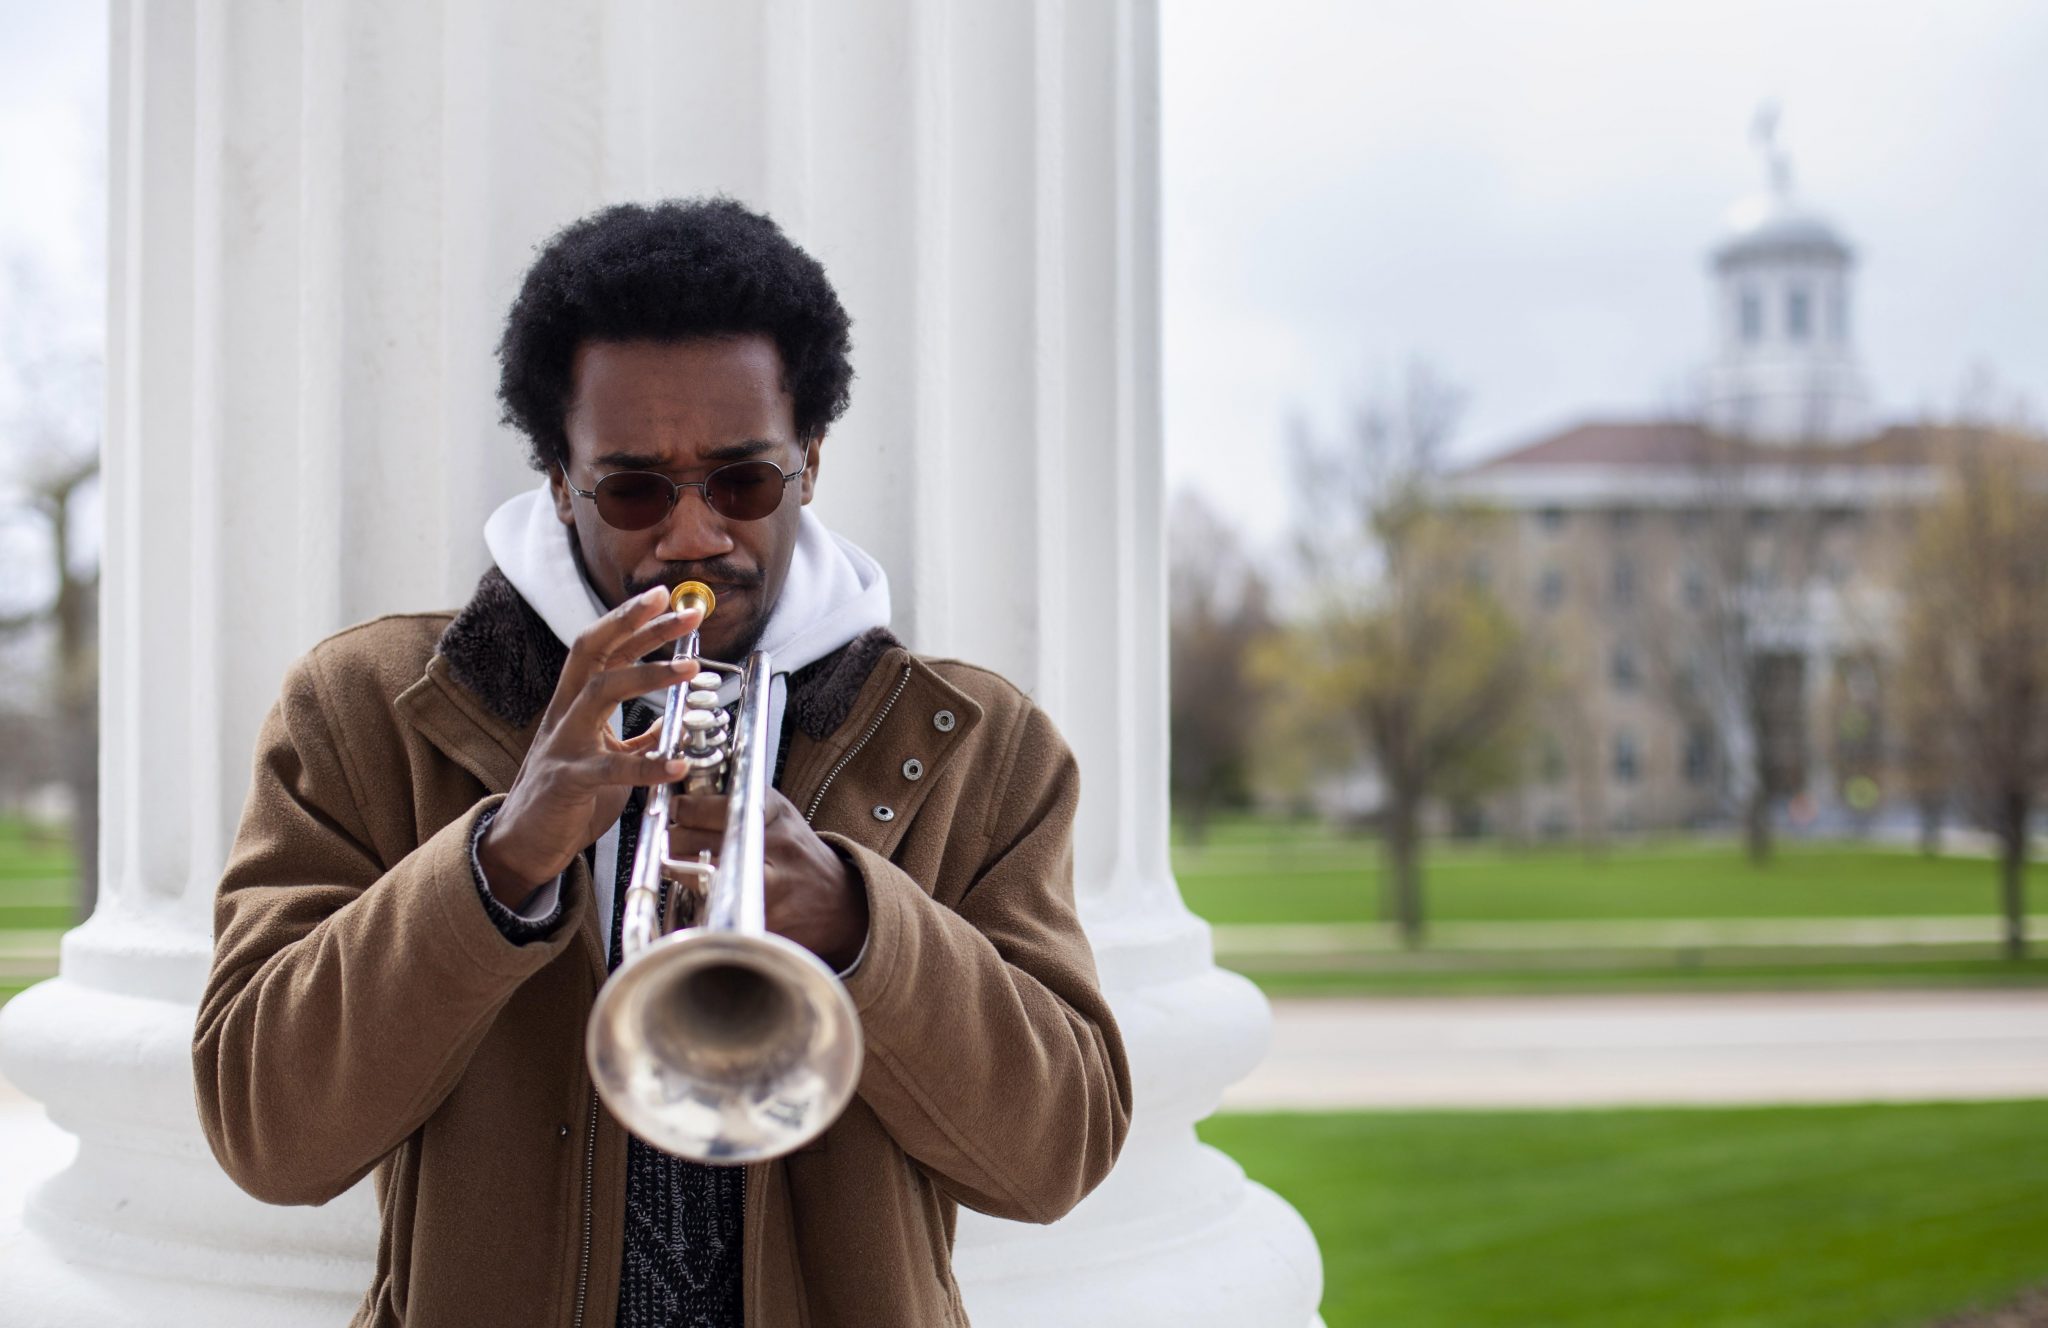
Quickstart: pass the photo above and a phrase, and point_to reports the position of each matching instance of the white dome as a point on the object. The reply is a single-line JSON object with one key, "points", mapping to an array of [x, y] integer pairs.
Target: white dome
{"points": [[1775, 225]]}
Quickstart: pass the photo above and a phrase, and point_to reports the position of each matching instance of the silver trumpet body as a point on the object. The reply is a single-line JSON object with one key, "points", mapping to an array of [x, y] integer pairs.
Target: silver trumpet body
{"points": [[719, 1042]]}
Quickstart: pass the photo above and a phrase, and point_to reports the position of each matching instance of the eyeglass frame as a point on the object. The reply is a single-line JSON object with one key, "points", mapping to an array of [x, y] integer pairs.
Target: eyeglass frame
{"points": [[676, 488]]}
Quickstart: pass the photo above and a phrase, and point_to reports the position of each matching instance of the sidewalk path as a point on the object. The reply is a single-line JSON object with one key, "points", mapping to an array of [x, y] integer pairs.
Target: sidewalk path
{"points": [[1277, 939], [1662, 1049]]}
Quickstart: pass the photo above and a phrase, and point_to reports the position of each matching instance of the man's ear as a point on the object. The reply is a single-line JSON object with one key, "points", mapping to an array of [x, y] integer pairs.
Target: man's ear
{"points": [[558, 484], [810, 480]]}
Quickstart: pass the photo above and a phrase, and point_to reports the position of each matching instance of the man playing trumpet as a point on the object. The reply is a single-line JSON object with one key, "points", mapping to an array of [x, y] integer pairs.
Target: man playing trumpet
{"points": [[426, 890]]}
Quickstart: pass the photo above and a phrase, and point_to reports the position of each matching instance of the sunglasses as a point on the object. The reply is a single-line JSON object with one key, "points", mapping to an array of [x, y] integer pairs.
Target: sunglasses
{"points": [[742, 491]]}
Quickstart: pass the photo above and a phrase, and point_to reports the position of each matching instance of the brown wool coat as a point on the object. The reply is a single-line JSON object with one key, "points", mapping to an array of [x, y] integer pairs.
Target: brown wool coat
{"points": [[364, 1016]]}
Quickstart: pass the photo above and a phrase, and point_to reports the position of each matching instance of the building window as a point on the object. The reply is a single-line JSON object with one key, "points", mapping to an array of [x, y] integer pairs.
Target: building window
{"points": [[1838, 315], [1623, 585], [1550, 587], [1692, 587], [1699, 754], [1551, 519], [1627, 760], [1750, 308], [1621, 668], [1798, 313], [1551, 765]]}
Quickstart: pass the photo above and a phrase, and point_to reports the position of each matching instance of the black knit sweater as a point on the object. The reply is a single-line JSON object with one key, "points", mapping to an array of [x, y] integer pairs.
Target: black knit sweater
{"points": [[684, 1219]]}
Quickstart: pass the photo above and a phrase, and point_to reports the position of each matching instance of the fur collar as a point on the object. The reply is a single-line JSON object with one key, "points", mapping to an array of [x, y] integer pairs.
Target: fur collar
{"points": [[499, 648]]}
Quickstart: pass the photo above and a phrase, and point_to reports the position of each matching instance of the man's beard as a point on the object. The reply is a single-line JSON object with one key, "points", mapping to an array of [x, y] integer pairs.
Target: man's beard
{"points": [[721, 574]]}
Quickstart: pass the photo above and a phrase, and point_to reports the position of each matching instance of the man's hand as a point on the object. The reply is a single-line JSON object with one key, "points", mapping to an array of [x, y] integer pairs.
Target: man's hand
{"points": [[814, 896], [576, 777]]}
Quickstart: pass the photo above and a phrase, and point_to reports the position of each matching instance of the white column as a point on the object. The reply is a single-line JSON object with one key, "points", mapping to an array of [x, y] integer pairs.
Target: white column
{"points": [[319, 214]]}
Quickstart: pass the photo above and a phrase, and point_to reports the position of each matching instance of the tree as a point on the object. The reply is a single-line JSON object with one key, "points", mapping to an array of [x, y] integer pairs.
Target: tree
{"points": [[1975, 640], [51, 438], [1218, 606], [1924, 755], [1403, 650]]}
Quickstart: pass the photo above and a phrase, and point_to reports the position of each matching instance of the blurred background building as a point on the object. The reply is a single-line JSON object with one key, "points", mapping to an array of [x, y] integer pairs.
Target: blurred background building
{"points": [[1716, 591]]}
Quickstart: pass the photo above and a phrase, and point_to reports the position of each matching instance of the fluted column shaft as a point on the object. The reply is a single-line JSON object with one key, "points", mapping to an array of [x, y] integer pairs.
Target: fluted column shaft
{"points": [[320, 212]]}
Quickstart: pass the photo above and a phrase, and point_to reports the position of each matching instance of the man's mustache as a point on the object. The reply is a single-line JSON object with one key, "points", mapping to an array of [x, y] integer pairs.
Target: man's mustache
{"points": [[718, 573]]}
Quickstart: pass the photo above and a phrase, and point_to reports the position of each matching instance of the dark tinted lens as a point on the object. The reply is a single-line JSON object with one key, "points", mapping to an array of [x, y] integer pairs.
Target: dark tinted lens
{"points": [[634, 499], [745, 490]]}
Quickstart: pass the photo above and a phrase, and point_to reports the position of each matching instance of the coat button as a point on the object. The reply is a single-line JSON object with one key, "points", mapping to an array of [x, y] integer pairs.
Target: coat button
{"points": [[561, 1131], [883, 813], [913, 769], [944, 721]]}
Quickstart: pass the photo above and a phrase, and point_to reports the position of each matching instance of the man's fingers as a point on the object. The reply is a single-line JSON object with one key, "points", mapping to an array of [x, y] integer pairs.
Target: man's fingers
{"points": [[651, 635], [606, 690], [598, 642], [643, 741], [603, 636], [594, 643], [616, 768]]}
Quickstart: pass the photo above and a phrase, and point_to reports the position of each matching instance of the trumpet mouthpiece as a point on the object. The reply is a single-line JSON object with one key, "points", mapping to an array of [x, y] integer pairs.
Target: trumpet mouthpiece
{"points": [[693, 595]]}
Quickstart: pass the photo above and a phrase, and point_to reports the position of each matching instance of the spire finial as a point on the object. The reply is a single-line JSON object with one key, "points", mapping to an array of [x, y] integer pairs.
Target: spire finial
{"points": [[1763, 132]]}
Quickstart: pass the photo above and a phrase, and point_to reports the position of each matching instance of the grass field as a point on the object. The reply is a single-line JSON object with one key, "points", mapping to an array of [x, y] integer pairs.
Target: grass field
{"points": [[1804, 973], [1814, 1217], [35, 903], [35, 878], [1295, 905], [1255, 872]]}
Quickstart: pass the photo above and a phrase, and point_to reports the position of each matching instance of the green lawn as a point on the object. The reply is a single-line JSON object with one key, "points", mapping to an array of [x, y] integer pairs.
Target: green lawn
{"points": [[1832, 970], [1582, 922], [1812, 1217], [35, 903], [1251, 872], [35, 878]]}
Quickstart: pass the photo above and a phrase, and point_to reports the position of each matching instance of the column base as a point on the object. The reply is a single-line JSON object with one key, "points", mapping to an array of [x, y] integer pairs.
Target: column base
{"points": [[46, 1290], [1253, 1264], [1176, 1234], [140, 1227]]}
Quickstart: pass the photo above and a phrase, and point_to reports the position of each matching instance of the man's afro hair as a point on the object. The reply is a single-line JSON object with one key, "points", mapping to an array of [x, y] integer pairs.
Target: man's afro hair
{"points": [[670, 272]]}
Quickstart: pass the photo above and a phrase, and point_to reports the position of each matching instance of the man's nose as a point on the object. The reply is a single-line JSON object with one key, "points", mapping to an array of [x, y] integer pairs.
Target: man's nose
{"points": [[692, 532]]}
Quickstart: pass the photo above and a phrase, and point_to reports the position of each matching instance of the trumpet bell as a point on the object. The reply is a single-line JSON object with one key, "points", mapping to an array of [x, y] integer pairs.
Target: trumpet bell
{"points": [[725, 1047]]}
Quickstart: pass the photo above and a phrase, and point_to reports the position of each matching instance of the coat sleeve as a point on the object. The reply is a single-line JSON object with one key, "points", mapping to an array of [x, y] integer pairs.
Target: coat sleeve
{"points": [[992, 1056], [344, 998]]}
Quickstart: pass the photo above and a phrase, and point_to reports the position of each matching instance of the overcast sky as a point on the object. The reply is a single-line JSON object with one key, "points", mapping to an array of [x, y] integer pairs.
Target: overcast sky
{"points": [[53, 89], [1521, 194]]}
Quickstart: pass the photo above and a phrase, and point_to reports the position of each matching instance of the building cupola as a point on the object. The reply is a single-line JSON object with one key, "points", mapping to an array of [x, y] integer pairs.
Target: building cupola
{"points": [[1785, 368]]}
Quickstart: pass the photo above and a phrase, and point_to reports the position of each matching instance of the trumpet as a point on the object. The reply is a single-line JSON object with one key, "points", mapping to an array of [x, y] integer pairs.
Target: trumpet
{"points": [[720, 1042]]}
